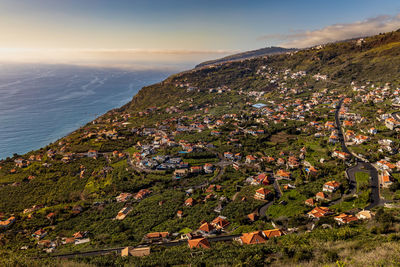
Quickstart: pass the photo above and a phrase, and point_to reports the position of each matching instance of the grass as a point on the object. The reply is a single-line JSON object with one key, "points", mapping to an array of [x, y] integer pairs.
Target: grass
{"points": [[185, 230], [295, 205], [362, 179]]}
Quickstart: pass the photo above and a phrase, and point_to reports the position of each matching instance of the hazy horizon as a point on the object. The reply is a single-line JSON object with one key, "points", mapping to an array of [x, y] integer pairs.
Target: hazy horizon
{"points": [[101, 32]]}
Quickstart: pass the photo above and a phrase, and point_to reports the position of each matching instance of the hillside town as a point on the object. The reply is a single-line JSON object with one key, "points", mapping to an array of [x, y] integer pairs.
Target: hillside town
{"points": [[220, 163]]}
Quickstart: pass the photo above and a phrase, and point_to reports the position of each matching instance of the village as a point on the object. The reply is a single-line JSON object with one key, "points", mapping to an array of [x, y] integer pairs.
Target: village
{"points": [[270, 158]]}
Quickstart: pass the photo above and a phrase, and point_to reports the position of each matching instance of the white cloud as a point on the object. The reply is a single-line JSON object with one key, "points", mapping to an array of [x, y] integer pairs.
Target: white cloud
{"points": [[336, 32]]}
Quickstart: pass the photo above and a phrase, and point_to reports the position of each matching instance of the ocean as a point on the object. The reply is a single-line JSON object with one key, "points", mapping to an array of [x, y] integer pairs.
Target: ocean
{"points": [[42, 103]]}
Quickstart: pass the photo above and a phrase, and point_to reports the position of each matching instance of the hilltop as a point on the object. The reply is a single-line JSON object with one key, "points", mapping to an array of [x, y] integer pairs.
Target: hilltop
{"points": [[279, 160], [273, 50]]}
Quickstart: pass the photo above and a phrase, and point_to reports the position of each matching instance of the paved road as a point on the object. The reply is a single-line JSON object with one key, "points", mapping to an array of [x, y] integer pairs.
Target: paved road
{"points": [[375, 199], [117, 250], [278, 193]]}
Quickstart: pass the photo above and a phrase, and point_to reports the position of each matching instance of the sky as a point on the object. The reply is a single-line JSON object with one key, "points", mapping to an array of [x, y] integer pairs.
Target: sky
{"points": [[123, 31]]}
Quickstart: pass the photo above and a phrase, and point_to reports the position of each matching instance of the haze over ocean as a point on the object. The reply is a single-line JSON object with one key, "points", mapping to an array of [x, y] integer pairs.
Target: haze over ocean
{"points": [[41, 103]]}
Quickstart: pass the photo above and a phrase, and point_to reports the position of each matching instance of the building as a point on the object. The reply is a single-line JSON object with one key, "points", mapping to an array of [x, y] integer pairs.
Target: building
{"points": [[39, 234], [207, 228], [345, 218], [341, 155], [262, 194], [7, 223], [156, 236], [189, 202], [319, 212], [385, 179], [281, 174], [199, 243], [252, 238], [364, 215], [180, 173], [391, 123], [250, 159], [272, 233], [123, 212], [220, 222], [310, 202], [320, 196], [123, 197], [137, 252], [331, 186]]}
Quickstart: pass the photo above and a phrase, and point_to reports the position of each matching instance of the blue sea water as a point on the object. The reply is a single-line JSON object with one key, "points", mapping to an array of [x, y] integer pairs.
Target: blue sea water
{"points": [[41, 103]]}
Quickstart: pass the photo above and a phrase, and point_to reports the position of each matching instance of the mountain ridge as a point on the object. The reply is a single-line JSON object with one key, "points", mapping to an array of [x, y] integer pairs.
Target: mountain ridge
{"points": [[273, 50]]}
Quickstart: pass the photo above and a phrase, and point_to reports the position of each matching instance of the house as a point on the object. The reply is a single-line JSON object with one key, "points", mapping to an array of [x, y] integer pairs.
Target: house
{"points": [[391, 123], [252, 238], [320, 196], [359, 139], [385, 165], [250, 159], [142, 194], [192, 235], [213, 187], [263, 178], [156, 236], [180, 173], [51, 216], [179, 213], [21, 163], [385, 179], [272, 233], [137, 252], [7, 223], [66, 159], [293, 162], [228, 155], [333, 139], [364, 215], [123, 197], [345, 218], [262, 194], [331, 186], [349, 134], [189, 202], [123, 212], [310, 202], [80, 235], [281, 174], [373, 131], [196, 169], [199, 243], [280, 161], [252, 216], [208, 168], [207, 228], [319, 212], [347, 123], [311, 170], [341, 155], [39, 234], [220, 222]]}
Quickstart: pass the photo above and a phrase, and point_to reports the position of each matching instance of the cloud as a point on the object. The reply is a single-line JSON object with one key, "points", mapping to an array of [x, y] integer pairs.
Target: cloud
{"points": [[336, 32]]}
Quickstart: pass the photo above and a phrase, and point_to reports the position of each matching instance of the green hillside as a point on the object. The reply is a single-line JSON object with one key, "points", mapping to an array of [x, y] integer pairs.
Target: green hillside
{"points": [[217, 135]]}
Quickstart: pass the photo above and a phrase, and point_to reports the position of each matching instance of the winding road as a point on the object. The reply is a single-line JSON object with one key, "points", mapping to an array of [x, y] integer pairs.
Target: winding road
{"points": [[361, 165]]}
